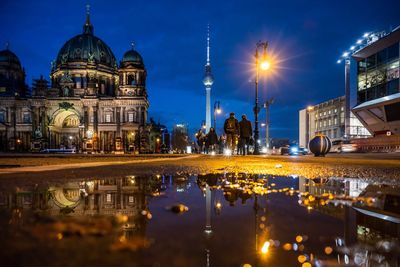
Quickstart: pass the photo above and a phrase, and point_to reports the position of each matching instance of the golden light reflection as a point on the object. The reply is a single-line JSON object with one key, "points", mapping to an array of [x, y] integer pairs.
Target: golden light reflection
{"points": [[265, 247], [328, 250], [299, 238], [306, 264], [301, 258]]}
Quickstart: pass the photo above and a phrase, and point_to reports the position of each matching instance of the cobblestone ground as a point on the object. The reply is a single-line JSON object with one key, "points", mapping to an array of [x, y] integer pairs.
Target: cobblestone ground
{"points": [[366, 166]]}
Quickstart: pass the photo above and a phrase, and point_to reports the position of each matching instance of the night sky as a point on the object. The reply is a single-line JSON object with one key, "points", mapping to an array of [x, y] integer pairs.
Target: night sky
{"points": [[305, 39]]}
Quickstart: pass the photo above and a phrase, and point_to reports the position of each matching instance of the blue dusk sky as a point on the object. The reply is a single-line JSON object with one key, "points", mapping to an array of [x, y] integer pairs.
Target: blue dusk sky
{"points": [[305, 40]]}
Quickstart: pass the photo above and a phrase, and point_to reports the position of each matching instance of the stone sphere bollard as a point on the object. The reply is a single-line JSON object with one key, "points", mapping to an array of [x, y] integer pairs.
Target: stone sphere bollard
{"points": [[320, 145]]}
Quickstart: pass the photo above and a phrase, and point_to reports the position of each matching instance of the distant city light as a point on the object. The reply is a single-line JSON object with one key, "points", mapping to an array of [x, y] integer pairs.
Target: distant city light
{"points": [[227, 152]]}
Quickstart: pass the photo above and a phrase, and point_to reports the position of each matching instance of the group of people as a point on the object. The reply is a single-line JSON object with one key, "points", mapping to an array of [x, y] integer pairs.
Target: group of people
{"points": [[238, 135]]}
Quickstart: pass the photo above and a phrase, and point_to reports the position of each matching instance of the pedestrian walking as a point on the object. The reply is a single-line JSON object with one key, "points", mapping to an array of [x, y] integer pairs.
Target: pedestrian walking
{"points": [[212, 140], [245, 133], [200, 137], [231, 128]]}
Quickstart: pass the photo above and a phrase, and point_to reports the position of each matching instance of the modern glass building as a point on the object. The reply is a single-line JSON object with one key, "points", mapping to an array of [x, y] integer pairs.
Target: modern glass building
{"points": [[378, 89]]}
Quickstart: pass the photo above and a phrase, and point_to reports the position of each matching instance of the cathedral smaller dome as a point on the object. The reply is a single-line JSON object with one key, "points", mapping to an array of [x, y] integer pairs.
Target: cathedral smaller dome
{"points": [[132, 57], [6, 56]]}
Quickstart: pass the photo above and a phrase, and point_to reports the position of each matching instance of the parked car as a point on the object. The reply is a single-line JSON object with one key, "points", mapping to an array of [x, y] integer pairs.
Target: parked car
{"points": [[343, 146]]}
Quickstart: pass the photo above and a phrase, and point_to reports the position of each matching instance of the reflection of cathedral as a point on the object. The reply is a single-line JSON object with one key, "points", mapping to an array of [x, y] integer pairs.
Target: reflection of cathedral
{"points": [[98, 197], [92, 103]]}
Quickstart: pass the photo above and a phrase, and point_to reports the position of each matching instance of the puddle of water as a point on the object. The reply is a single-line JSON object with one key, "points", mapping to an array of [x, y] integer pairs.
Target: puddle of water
{"points": [[200, 220]]}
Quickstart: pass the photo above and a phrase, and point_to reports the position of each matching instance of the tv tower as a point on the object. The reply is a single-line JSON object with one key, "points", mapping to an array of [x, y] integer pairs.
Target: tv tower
{"points": [[208, 81]]}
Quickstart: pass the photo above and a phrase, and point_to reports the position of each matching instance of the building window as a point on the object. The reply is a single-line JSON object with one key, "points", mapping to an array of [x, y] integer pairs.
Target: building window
{"points": [[91, 119], [26, 117], [108, 198], [325, 113], [335, 121], [341, 108], [330, 122], [329, 112], [108, 117], [130, 199], [2, 117], [130, 117], [335, 110]]}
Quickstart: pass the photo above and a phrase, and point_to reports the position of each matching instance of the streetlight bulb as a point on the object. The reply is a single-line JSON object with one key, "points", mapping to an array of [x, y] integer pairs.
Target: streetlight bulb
{"points": [[309, 108], [339, 61], [366, 35], [359, 41], [219, 111], [352, 47], [265, 65], [345, 54]]}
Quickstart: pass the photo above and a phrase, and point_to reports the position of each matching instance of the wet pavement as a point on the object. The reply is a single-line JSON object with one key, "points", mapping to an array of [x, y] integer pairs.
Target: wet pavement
{"points": [[225, 219]]}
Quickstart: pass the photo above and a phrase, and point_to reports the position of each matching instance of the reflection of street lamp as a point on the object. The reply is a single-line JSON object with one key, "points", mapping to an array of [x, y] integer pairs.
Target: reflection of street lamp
{"points": [[264, 65], [217, 110]]}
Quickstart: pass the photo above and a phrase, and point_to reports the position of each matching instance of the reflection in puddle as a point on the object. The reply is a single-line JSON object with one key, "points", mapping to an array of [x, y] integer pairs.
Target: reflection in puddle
{"points": [[204, 220]]}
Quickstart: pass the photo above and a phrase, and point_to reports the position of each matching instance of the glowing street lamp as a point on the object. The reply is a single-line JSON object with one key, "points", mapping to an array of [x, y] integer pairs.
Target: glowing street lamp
{"points": [[217, 110], [263, 65]]}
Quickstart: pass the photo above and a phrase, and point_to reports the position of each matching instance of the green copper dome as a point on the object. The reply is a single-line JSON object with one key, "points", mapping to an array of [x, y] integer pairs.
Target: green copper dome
{"points": [[132, 57], [86, 47], [6, 56]]}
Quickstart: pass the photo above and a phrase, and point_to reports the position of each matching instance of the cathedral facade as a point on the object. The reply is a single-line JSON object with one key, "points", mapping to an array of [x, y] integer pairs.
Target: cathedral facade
{"points": [[91, 104]]}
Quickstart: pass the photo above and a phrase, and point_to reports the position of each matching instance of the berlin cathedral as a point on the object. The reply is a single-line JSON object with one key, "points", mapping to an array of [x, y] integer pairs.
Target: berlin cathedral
{"points": [[90, 104]]}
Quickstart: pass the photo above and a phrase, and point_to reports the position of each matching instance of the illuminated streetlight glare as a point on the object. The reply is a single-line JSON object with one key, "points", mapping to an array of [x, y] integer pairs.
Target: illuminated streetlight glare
{"points": [[265, 65], [339, 61], [359, 41], [365, 35]]}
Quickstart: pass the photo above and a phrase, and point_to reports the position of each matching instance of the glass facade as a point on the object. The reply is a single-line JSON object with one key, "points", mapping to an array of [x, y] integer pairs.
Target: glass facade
{"points": [[378, 74]]}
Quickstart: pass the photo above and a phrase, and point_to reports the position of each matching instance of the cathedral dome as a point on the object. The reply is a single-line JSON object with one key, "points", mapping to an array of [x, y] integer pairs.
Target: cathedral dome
{"points": [[87, 48], [132, 57], [9, 58], [12, 75]]}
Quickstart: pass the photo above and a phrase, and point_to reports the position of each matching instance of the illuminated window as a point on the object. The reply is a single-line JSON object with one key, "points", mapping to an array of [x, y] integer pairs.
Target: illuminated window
{"points": [[329, 112], [108, 117], [130, 199], [26, 117], [335, 110], [335, 121], [130, 117], [108, 198], [330, 122]]}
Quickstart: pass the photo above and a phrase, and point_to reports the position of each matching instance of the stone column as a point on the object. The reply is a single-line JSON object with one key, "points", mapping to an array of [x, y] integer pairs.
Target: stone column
{"points": [[118, 121], [95, 119], [85, 121]]}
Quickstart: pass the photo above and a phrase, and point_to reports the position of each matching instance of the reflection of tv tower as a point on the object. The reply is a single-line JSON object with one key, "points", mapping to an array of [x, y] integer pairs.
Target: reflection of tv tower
{"points": [[208, 230]]}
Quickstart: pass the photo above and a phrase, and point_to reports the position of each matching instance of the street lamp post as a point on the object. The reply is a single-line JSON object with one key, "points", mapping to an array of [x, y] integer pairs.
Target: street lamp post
{"points": [[308, 124], [217, 110], [266, 106], [264, 65]]}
